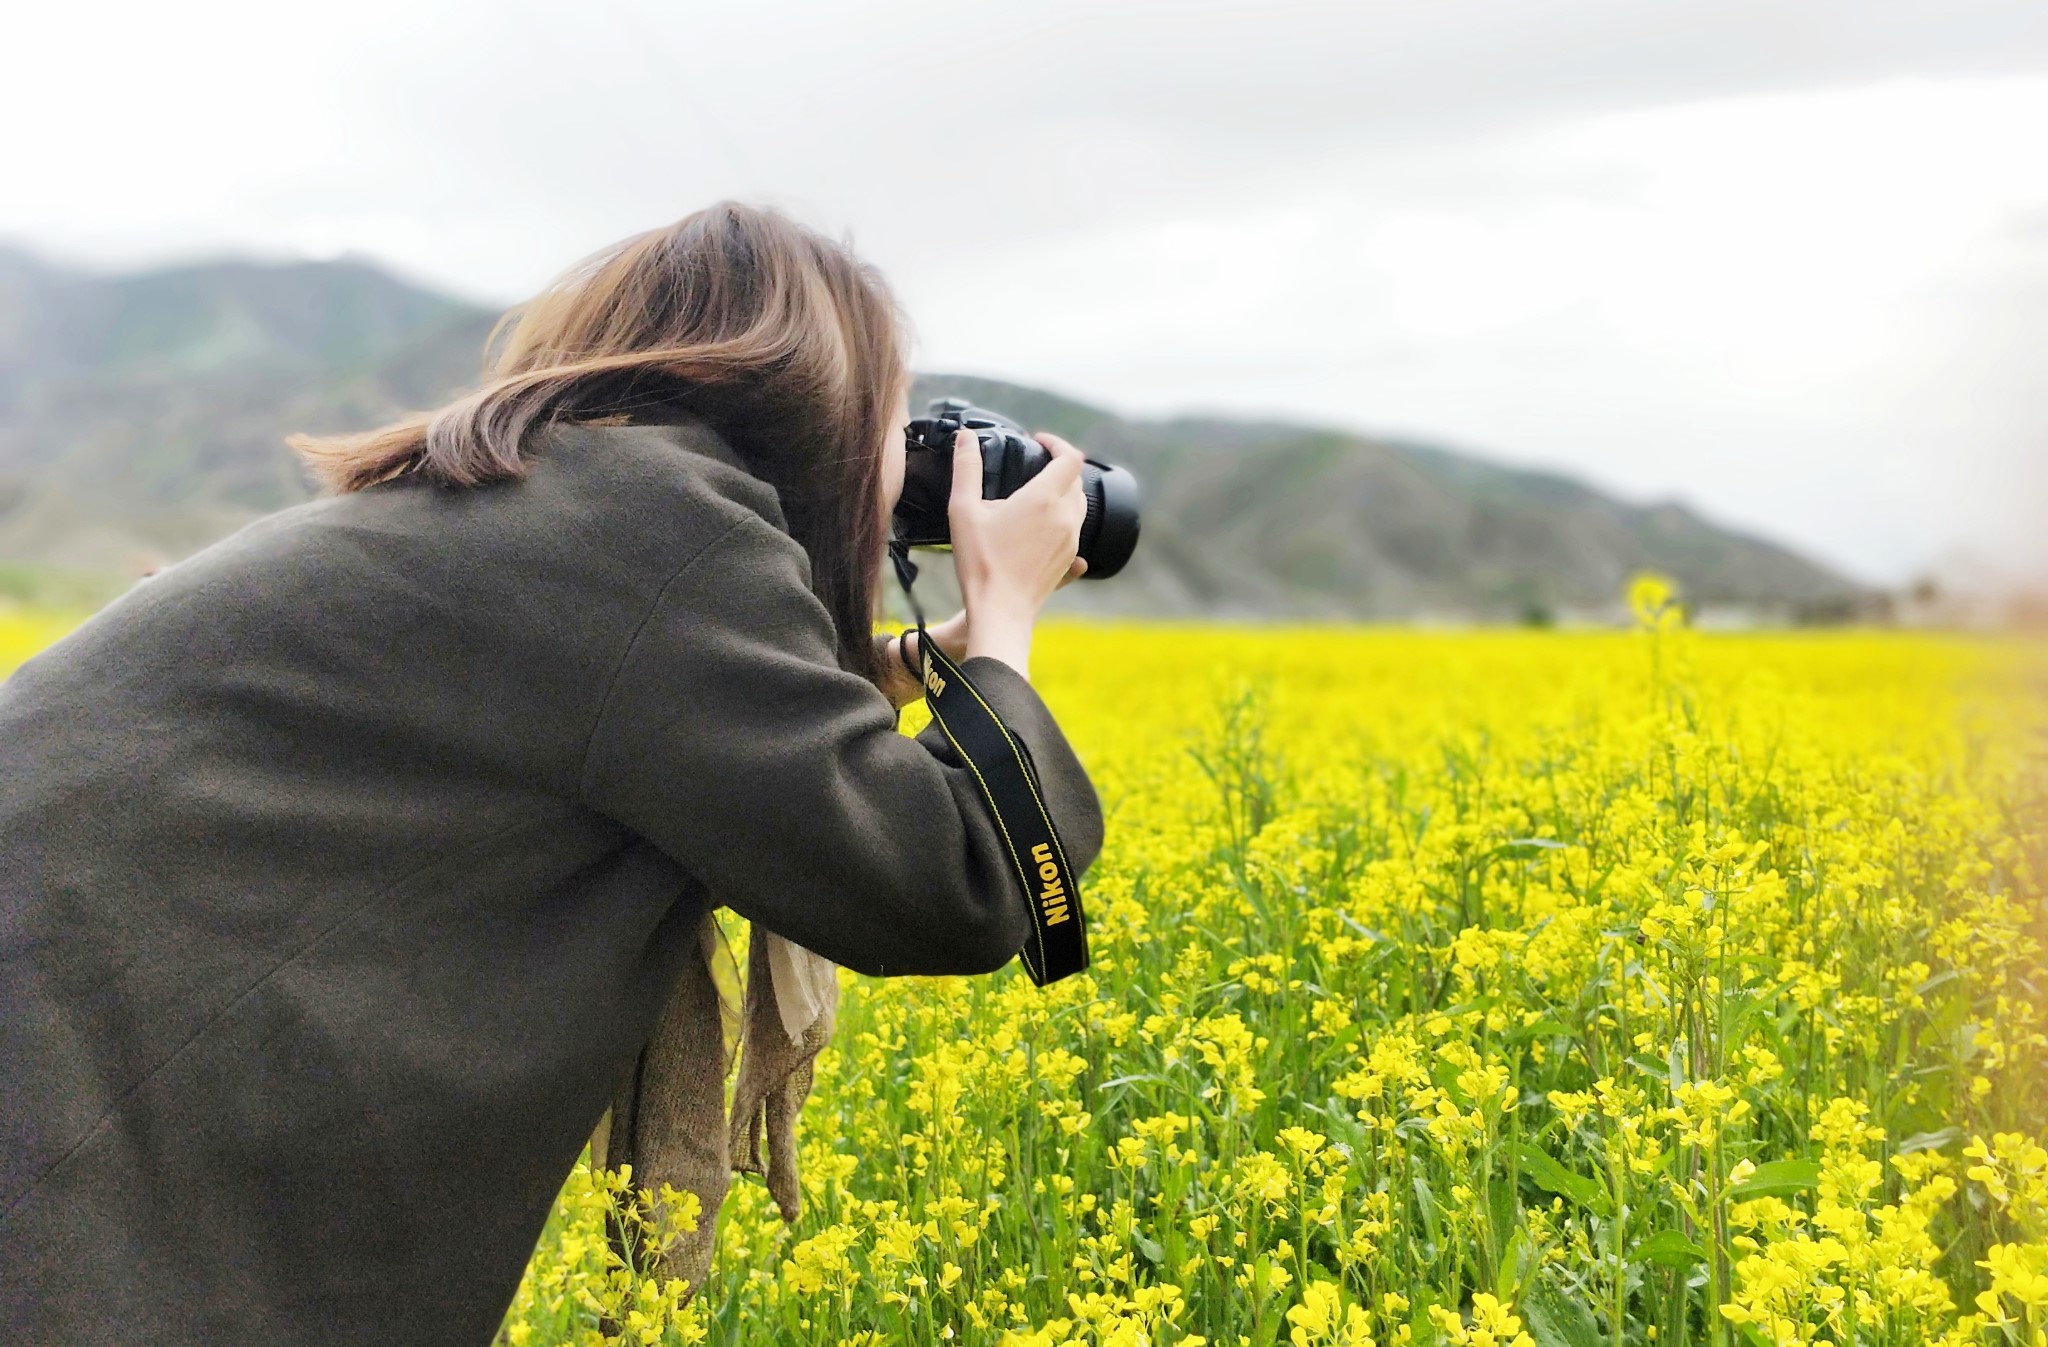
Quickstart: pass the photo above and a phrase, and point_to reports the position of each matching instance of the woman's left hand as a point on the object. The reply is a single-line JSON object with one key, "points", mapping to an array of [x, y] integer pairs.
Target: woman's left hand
{"points": [[901, 687]]}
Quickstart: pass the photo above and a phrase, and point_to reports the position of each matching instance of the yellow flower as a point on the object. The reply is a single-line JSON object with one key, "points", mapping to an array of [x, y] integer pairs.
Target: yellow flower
{"points": [[1653, 598], [1323, 1317]]}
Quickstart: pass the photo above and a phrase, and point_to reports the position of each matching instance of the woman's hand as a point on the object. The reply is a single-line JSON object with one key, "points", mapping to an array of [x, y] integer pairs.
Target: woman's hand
{"points": [[954, 635], [951, 636], [1011, 554], [901, 686]]}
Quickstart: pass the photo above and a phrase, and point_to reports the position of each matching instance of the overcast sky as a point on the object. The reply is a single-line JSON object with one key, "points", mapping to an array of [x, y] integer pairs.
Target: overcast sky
{"points": [[1787, 261]]}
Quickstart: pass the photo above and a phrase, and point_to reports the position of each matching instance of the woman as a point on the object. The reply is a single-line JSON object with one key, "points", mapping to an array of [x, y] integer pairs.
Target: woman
{"points": [[346, 864]]}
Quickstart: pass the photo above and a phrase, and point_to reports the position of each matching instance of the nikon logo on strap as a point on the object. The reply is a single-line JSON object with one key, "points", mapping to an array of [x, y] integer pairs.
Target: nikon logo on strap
{"points": [[1002, 767], [1052, 898]]}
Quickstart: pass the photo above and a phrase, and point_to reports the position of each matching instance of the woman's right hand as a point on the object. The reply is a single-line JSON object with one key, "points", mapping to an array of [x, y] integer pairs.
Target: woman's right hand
{"points": [[1011, 554]]}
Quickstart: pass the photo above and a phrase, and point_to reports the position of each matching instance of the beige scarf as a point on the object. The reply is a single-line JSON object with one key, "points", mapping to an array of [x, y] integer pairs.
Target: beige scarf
{"points": [[668, 1117]]}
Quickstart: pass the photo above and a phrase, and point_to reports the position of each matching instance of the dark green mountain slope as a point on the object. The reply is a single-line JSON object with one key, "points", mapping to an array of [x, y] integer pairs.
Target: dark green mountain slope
{"points": [[142, 416]]}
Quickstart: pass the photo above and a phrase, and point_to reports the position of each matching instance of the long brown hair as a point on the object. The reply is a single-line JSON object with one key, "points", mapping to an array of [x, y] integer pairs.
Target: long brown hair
{"points": [[789, 345]]}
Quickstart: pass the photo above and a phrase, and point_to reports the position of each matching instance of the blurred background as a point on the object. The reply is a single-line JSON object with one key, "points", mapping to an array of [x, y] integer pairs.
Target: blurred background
{"points": [[1447, 313]]}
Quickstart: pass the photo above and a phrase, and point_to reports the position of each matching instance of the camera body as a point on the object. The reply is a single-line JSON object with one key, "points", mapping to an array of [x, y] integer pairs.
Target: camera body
{"points": [[1009, 458]]}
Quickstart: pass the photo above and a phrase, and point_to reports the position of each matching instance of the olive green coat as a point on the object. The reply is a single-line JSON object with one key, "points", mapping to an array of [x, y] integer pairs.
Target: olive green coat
{"points": [[345, 866]]}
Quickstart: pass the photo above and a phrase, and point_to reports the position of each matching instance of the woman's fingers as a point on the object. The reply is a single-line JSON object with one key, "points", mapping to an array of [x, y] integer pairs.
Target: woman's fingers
{"points": [[1060, 474], [966, 466], [1010, 554], [1054, 479]]}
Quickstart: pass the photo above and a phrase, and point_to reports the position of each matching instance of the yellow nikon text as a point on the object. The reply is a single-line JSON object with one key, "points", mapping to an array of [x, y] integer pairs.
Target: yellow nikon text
{"points": [[1052, 895]]}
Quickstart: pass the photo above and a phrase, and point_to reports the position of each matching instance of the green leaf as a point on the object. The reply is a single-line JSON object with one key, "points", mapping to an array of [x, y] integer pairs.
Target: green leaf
{"points": [[1941, 979], [1556, 1320], [1150, 1248], [1368, 932], [1930, 1141], [1502, 1209], [1527, 848], [1553, 1177], [1654, 1069], [1426, 1201], [1668, 1248], [1779, 1178], [1517, 1260], [1445, 1077]]}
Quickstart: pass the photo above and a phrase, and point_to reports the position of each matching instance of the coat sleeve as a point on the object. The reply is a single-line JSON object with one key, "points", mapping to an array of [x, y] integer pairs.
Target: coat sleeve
{"points": [[731, 738]]}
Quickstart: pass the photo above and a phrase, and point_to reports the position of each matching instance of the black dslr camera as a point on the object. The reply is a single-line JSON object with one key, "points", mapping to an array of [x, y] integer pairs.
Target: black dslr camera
{"points": [[1009, 458]]}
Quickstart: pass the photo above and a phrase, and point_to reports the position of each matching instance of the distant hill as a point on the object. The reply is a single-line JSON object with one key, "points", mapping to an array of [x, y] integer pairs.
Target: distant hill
{"points": [[1252, 517], [143, 416]]}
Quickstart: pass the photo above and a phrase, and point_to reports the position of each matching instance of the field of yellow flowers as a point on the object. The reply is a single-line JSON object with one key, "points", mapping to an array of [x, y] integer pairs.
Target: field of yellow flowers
{"points": [[1507, 989]]}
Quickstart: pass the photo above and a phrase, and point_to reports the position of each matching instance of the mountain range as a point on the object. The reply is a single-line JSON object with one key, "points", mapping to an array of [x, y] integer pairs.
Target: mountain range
{"points": [[142, 416]]}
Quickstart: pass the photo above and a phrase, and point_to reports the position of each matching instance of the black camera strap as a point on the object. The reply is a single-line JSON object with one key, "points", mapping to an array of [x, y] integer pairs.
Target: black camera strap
{"points": [[1002, 767]]}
